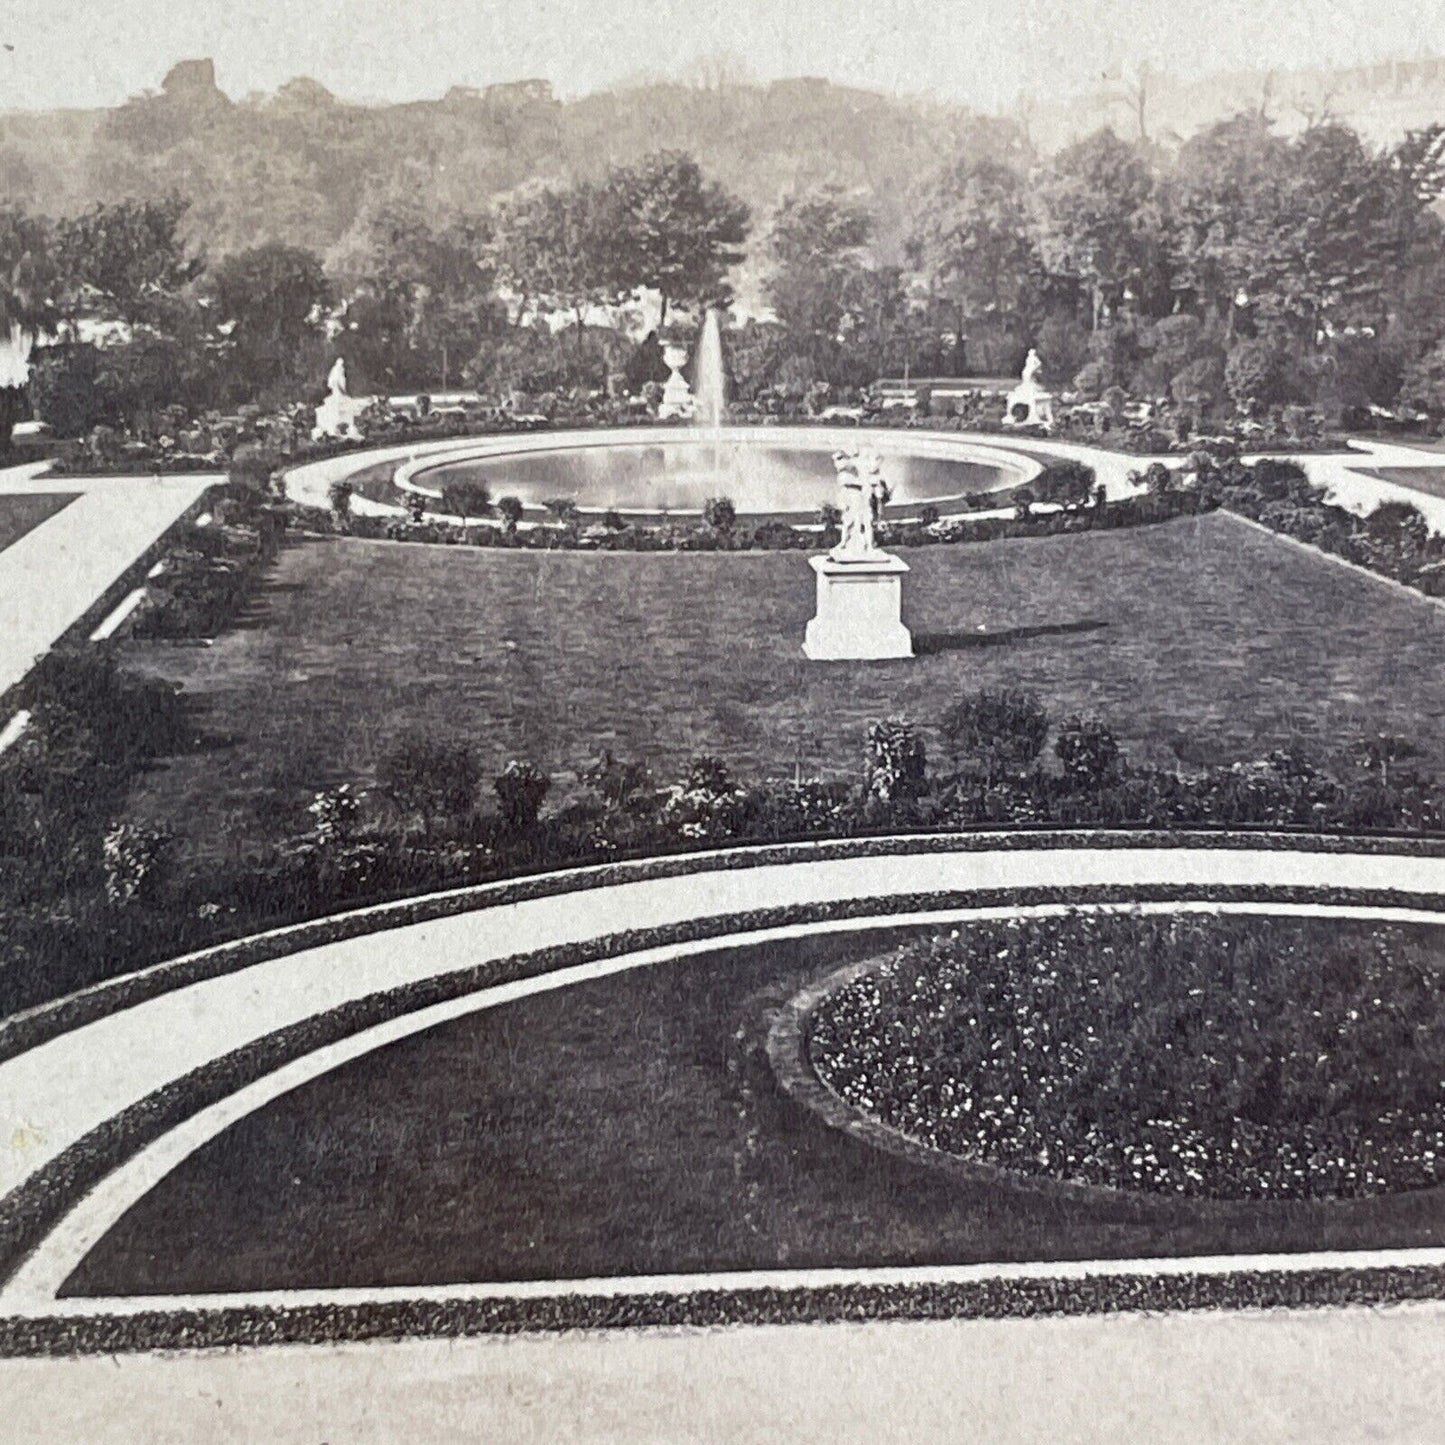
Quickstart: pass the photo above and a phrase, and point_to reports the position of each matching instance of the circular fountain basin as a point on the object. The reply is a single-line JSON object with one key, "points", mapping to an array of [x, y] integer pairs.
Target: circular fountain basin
{"points": [[765, 471]]}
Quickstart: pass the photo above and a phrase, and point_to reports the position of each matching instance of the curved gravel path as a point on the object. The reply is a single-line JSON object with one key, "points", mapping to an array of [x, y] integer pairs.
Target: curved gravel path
{"points": [[309, 484], [56, 1093]]}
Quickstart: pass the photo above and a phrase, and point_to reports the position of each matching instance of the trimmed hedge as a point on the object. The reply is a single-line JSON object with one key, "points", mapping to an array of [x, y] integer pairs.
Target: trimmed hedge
{"points": [[1003, 1297]]}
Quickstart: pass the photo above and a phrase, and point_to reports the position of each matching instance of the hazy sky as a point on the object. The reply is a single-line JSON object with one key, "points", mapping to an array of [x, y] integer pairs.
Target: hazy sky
{"points": [[96, 52]]}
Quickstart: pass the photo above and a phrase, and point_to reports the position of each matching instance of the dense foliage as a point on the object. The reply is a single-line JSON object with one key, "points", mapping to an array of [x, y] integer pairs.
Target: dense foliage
{"points": [[1202, 1055], [1293, 281]]}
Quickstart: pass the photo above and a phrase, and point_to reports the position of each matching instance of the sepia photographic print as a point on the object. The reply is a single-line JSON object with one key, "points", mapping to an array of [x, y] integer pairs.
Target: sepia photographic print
{"points": [[722, 722]]}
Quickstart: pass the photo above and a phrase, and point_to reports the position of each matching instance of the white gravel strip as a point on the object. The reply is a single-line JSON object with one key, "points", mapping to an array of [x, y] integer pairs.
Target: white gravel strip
{"points": [[52, 576]]}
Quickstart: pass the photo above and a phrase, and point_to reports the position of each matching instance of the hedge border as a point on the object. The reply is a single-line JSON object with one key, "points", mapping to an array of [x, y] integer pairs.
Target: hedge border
{"points": [[855, 1303], [31, 1210], [105, 601], [37, 1025]]}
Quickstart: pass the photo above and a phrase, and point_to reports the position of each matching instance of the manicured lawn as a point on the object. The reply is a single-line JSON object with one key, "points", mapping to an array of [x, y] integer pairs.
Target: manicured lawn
{"points": [[23, 512], [1423, 479], [631, 1125], [1201, 638]]}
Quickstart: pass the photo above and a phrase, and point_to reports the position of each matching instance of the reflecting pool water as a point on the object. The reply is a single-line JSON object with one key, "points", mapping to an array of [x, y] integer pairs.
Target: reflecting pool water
{"points": [[679, 477]]}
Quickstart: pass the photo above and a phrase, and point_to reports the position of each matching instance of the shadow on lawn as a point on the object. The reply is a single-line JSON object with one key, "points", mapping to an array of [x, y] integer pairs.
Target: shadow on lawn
{"points": [[925, 643]]}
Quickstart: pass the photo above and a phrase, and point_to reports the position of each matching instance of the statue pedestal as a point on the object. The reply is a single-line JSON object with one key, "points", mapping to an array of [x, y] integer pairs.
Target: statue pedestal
{"points": [[1029, 405], [337, 416], [859, 611], [677, 400]]}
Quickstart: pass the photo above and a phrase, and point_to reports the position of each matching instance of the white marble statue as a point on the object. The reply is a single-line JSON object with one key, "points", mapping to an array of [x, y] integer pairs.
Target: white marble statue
{"points": [[339, 413], [1029, 404], [858, 616], [862, 495]]}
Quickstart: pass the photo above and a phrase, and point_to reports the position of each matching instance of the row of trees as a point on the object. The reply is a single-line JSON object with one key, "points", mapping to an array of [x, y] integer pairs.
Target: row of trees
{"points": [[1271, 268], [1242, 266], [162, 327], [140, 320]]}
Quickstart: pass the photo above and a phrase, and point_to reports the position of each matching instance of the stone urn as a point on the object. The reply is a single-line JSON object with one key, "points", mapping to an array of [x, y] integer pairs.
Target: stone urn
{"points": [[677, 398]]}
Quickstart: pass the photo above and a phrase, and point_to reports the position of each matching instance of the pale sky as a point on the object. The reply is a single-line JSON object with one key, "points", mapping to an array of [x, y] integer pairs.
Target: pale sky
{"points": [[96, 52]]}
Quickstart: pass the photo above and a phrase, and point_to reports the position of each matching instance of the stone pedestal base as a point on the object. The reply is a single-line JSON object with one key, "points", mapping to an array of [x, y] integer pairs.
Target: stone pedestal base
{"points": [[1029, 405], [337, 416], [677, 402], [859, 611]]}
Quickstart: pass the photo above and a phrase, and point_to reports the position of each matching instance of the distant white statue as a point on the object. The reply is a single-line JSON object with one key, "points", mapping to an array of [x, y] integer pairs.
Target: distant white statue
{"points": [[338, 414], [862, 495], [1029, 404]]}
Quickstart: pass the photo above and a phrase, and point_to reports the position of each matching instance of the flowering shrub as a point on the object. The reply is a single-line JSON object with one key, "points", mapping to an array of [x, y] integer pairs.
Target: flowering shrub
{"points": [[520, 788], [133, 858], [995, 732], [1194, 1055], [335, 814], [707, 804], [897, 761]]}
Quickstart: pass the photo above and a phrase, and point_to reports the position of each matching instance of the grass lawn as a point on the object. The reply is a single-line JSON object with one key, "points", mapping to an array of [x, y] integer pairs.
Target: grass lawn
{"points": [[1430, 480], [23, 512], [631, 1125], [1201, 638]]}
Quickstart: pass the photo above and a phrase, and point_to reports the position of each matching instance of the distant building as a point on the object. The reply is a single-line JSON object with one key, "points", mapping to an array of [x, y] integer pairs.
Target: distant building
{"points": [[192, 82]]}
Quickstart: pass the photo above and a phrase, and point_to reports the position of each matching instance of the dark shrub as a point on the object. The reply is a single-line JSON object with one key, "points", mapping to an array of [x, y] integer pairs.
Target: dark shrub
{"points": [[995, 732], [431, 781], [896, 765], [520, 789], [1088, 751], [720, 514]]}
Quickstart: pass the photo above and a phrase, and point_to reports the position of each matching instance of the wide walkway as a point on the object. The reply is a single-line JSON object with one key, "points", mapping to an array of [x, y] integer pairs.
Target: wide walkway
{"points": [[52, 576], [1345, 476], [1287, 1377]]}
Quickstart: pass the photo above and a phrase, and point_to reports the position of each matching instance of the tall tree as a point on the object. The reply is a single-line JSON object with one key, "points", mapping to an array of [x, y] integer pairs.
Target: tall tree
{"points": [[1098, 222], [672, 230], [1311, 235], [1226, 191], [971, 239], [1335, 240], [551, 249], [424, 300], [818, 242], [132, 257], [268, 302]]}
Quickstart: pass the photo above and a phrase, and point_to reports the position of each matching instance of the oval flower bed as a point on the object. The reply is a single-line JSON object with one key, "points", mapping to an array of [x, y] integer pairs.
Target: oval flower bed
{"points": [[1207, 1055]]}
